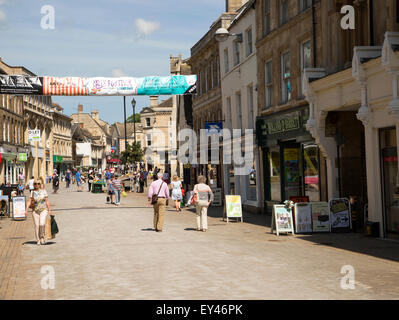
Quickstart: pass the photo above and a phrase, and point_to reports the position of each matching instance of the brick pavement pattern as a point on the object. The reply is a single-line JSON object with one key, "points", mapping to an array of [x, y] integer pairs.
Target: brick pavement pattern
{"points": [[109, 252]]}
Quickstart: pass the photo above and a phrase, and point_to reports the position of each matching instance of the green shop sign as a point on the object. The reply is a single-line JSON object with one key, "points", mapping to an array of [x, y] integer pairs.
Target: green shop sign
{"points": [[22, 157], [283, 124], [57, 159]]}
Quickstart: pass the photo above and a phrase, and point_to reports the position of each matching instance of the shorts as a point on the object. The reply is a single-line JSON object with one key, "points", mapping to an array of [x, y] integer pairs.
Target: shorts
{"points": [[79, 183]]}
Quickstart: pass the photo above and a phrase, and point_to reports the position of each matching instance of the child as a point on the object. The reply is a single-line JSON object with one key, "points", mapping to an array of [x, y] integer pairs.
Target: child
{"points": [[21, 188]]}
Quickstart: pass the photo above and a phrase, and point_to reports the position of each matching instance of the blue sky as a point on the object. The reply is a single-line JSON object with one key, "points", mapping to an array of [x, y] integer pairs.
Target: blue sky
{"points": [[103, 38]]}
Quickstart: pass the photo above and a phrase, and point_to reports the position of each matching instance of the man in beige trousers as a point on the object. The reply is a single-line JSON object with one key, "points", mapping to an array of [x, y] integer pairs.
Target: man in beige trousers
{"points": [[160, 188]]}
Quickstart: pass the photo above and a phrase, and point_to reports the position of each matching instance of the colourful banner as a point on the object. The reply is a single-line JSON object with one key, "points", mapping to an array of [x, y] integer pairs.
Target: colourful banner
{"points": [[97, 86]]}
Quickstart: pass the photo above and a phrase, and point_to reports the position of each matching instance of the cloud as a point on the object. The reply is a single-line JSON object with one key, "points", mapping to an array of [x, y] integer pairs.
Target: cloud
{"points": [[3, 18], [145, 28], [118, 73]]}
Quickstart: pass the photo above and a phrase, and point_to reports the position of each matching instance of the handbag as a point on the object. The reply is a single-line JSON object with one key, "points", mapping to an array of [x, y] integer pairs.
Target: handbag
{"points": [[54, 226], [154, 199]]}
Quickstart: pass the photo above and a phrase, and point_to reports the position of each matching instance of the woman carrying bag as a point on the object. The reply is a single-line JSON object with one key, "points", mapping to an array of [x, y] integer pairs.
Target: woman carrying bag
{"points": [[203, 196]]}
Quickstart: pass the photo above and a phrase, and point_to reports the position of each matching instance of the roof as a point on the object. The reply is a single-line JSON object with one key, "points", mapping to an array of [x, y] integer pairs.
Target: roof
{"points": [[129, 129], [242, 11]]}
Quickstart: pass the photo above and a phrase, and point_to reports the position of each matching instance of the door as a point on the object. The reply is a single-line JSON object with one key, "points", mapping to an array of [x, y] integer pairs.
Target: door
{"points": [[292, 182], [390, 181]]}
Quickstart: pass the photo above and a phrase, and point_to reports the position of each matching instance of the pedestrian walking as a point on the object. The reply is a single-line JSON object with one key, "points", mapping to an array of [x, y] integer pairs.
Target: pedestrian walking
{"points": [[90, 179], [158, 196], [21, 188], [79, 180], [141, 182], [117, 187], [68, 178], [204, 196], [21, 177], [145, 177], [56, 182], [31, 184], [177, 196], [73, 175], [40, 208]]}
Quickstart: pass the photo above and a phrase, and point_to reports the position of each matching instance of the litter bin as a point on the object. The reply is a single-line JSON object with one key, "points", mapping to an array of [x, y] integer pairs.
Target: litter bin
{"points": [[373, 229]]}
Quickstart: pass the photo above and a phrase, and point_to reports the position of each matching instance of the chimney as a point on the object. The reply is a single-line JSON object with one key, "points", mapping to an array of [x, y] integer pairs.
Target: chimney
{"points": [[234, 5], [80, 108], [95, 115], [153, 101]]}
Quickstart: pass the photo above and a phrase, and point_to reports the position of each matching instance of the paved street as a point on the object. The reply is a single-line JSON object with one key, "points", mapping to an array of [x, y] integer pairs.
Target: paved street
{"points": [[108, 252]]}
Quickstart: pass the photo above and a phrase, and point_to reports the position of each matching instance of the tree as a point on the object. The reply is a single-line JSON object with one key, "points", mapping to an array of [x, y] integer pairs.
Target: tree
{"points": [[132, 154], [130, 119]]}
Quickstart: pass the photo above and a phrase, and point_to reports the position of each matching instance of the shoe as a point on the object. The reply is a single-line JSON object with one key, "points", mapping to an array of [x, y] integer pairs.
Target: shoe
{"points": [[203, 230], [159, 230], [38, 243]]}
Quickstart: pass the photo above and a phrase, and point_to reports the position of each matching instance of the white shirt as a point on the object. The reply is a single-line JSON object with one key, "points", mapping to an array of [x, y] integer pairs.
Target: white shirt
{"points": [[30, 183]]}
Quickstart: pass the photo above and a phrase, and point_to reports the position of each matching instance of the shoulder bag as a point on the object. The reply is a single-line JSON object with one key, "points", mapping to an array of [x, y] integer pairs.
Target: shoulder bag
{"points": [[154, 199]]}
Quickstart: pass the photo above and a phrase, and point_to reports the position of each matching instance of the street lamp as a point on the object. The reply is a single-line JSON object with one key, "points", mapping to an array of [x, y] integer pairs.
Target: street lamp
{"points": [[134, 119], [124, 106], [222, 34]]}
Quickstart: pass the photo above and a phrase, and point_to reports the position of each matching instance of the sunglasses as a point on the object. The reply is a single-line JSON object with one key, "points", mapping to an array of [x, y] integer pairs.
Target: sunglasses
{"points": [[37, 184]]}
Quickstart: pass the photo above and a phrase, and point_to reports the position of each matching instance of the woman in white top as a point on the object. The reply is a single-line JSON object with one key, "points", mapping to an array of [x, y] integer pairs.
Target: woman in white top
{"points": [[40, 208], [176, 192], [204, 198]]}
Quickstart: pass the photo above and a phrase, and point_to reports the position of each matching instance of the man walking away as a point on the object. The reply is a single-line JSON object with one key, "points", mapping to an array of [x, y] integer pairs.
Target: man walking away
{"points": [[117, 188], [160, 188], [79, 180], [68, 178], [31, 184]]}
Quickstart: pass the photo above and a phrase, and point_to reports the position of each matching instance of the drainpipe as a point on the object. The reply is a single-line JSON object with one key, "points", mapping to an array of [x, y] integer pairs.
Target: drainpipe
{"points": [[314, 34], [371, 22]]}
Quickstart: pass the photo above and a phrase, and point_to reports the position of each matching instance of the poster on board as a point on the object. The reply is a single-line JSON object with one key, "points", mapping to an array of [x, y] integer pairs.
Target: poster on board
{"points": [[282, 220], [320, 217], [18, 207], [303, 218], [340, 215], [233, 207]]}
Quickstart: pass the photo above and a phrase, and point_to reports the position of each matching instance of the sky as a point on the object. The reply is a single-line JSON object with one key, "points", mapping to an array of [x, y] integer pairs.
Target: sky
{"points": [[102, 38]]}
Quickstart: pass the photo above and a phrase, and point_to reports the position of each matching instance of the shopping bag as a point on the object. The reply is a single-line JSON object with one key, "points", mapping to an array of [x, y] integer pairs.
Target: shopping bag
{"points": [[124, 194], [54, 226]]}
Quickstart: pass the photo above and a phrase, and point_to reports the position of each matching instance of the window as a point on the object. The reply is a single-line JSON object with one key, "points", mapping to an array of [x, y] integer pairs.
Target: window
{"points": [[236, 52], [148, 140], [268, 85], [304, 4], [250, 91], [206, 80], [266, 21], [148, 122], [285, 77], [228, 111], [212, 75], [239, 110], [226, 60], [306, 58], [284, 15], [249, 42], [217, 72]]}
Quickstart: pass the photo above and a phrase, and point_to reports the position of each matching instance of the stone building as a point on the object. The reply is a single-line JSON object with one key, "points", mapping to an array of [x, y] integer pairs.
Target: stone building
{"points": [[288, 40], [100, 136], [12, 140], [354, 108], [62, 140], [207, 103], [239, 100], [157, 136], [118, 135]]}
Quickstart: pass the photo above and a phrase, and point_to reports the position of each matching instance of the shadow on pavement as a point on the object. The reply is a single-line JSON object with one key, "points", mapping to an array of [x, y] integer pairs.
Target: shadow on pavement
{"points": [[148, 229], [48, 243]]}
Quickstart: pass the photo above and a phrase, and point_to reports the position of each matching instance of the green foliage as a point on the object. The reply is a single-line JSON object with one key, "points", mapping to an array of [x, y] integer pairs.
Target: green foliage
{"points": [[130, 119], [133, 154]]}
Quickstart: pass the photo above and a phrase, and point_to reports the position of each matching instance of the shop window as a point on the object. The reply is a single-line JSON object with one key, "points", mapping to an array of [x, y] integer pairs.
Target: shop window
{"points": [[275, 174], [311, 172]]}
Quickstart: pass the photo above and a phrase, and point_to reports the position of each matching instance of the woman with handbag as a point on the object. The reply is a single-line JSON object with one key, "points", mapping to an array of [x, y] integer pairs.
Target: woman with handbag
{"points": [[203, 196], [40, 208]]}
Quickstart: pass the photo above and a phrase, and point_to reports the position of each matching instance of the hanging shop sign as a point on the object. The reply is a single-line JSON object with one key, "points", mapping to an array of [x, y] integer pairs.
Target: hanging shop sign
{"points": [[58, 159], [98, 86], [18, 208], [320, 217], [233, 207], [217, 197], [303, 218], [34, 135], [340, 215], [22, 157], [282, 220], [213, 128], [279, 124]]}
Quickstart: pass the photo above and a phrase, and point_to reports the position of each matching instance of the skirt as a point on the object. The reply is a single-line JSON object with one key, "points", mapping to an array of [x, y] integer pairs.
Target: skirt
{"points": [[176, 195]]}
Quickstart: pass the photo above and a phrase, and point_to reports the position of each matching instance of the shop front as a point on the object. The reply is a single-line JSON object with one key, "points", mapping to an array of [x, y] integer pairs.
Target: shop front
{"points": [[292, 163]]}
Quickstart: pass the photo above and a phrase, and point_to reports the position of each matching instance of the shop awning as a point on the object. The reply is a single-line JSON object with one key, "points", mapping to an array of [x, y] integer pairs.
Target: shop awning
{"points": [[114, 161]]}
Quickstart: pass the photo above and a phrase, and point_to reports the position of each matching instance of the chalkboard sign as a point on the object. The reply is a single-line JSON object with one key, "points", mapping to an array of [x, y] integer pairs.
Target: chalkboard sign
{"points": [[282, 220], [340, 215], [320, 217], [303, 218], [217, 197]]}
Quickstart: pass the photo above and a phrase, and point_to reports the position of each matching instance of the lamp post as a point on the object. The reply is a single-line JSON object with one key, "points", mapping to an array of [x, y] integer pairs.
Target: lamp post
{"points": [[124, 106], [134, 119]]}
